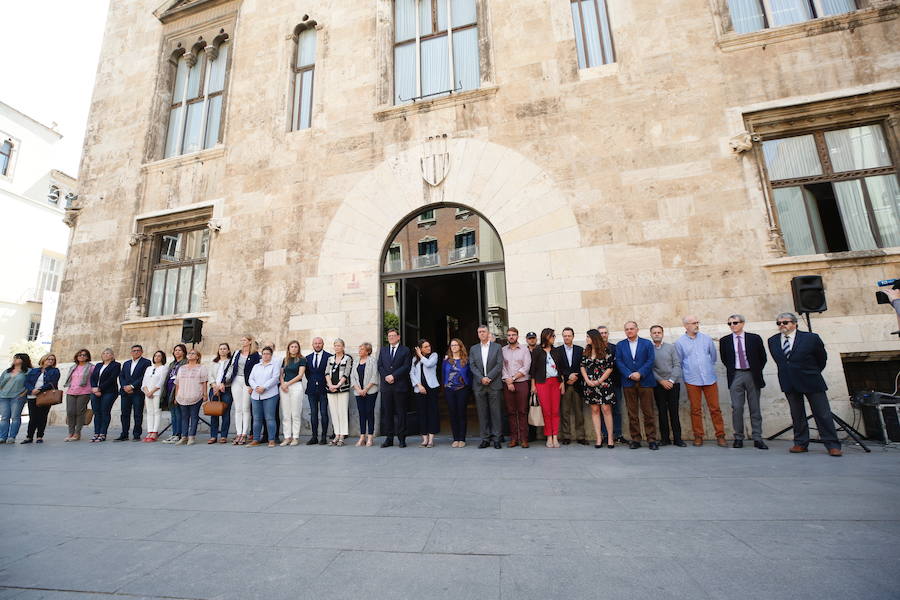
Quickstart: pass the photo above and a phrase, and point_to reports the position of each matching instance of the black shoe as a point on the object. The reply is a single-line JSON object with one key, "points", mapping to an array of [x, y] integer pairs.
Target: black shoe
{"points": [[621, 440], [664, 442], [313, 441], [402, 443], [387, 443], [498, 445], [598, 446], [653, 446], [679, 443], [760, 444], [565, 441], [26, 441], [323, 441], [484, 444], [583, 442], [634, 445], [135, 438], [122, 438], [738, 444]]}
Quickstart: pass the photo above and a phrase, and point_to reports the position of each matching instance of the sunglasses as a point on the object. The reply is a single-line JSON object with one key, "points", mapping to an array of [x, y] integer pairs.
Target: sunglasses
{"points": [[734, 322], [783, 322]]}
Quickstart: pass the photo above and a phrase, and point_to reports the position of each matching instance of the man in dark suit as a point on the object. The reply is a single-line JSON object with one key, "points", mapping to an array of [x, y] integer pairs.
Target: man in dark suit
{"points": [[394, 363], [634, 360], [486, 364], [571, 405], [801, 357], [744, 357], [130, 379], [316, 391]]}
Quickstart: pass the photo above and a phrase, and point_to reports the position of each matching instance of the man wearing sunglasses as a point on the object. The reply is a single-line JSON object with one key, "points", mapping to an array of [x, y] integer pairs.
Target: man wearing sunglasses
{"points": [[744, 356], [801, 357]]}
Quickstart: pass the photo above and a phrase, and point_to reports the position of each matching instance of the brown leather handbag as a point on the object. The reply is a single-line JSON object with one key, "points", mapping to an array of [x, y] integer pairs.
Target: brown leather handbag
{"points": [[214, 408], [49, 398]]}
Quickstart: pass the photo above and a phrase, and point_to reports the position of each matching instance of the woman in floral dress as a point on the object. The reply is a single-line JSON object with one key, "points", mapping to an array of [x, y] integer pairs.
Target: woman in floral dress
{"points": [[597, 369]]}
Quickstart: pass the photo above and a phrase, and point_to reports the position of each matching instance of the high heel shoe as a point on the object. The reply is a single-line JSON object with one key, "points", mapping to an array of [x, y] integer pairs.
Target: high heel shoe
{"points": [[361, 441]]}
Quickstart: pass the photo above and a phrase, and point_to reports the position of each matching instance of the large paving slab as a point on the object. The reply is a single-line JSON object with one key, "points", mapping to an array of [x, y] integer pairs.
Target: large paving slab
{"points": [[204, 522]]}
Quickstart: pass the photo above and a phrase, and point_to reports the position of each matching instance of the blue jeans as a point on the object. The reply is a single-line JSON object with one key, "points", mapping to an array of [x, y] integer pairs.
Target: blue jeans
{"points": [[617, 414], [132, 402], [366, 407], [264, 411], [102, 407], [190, 418], [214, 430], [175, 416], [318, 408], [11, 416]]}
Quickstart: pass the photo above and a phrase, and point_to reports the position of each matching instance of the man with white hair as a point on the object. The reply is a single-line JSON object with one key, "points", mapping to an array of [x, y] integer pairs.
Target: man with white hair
{"points": [[698, 369]]}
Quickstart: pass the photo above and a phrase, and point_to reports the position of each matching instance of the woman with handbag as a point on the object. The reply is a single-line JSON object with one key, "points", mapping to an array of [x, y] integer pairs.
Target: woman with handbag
{"points": [[167, 397], [263, 382], [220, 391], [293, 367], [337, 382], [546, 384], [596, 370], [104, 390], [457, 381], [425, 386], [78, 393], [152, 385], [364, 381], [12, 397], [190, 391], [43, 378]]}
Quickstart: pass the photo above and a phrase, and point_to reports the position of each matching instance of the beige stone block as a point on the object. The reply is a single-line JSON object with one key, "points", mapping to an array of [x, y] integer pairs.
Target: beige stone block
{"points": [[621, 258], [275, 258]]}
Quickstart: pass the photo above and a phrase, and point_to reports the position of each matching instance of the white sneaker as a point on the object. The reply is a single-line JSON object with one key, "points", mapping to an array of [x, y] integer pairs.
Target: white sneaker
{"points": [[10, 440], [295, 442]]}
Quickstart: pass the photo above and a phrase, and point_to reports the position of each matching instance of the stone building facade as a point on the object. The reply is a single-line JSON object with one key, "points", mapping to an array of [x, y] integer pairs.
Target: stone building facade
{"points": [[633, 165]]}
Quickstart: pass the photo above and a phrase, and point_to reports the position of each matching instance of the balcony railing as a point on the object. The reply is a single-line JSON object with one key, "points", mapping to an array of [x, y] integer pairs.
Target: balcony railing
{"points": [[463, 253], [392, 266], [424, 261]]}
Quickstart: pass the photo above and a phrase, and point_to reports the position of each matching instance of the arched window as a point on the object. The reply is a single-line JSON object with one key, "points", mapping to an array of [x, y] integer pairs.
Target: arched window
{"points": [[195, 116], [304, 70], [435, 48], [5, 156]]}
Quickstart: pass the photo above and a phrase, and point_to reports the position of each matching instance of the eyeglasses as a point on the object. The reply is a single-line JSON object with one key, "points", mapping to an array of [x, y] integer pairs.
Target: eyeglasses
{"points": [[783, 322], [735, 322]]}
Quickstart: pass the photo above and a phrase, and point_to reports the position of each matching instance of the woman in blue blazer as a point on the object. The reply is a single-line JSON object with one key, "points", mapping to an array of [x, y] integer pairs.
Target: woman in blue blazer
{"points": [[40, 379], [104, 390], [457, 380], [423, 376]]}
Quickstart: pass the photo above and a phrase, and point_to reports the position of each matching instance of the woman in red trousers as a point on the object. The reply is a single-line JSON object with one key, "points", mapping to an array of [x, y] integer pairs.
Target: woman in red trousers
{"points": [[545, 382]]}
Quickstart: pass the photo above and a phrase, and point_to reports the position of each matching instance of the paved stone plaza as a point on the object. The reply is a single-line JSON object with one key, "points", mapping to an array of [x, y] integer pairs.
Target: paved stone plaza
{"points": [[134, 520]]}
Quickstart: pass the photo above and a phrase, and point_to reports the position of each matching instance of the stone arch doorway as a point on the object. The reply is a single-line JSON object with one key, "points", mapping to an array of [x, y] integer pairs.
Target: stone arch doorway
{"points": [[442, 274]]}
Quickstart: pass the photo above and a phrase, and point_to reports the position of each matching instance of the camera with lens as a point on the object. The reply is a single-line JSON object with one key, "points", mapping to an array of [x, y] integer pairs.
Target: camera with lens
{"points": [[880, 296]]}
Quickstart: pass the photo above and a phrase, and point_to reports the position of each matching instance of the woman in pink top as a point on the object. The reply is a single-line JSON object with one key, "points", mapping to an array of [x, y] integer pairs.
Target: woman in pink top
{"points": [[78, 393], [190, 391]]}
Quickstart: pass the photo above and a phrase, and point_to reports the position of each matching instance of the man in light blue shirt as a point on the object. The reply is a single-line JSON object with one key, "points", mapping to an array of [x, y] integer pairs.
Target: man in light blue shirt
{"points": [[698, 369]]}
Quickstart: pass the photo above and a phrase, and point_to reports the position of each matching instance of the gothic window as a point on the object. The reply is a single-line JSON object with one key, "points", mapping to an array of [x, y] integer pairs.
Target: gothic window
{"points": [[196, 111], [593, 39], [435, 48], [304, 65], [178, 277]]}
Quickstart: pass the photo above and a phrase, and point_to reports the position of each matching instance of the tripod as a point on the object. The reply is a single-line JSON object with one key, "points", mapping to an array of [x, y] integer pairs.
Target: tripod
{"points": [[842, 425]]}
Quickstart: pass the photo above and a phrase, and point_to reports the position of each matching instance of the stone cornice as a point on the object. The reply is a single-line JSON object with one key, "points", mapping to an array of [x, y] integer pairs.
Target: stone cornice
{"points": [[174, 9], [421, 106]]}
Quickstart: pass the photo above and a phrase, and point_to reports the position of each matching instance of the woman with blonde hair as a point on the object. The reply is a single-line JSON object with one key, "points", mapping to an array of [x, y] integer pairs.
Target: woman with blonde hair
{"points": [[42, 378], [364, 381], [293, 368], [190, 391], [337, 381], [242, 364], [105, 390]]}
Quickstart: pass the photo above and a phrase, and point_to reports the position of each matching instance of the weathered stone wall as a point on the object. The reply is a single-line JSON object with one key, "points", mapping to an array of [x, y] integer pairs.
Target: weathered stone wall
{"points": [[614, 189]]}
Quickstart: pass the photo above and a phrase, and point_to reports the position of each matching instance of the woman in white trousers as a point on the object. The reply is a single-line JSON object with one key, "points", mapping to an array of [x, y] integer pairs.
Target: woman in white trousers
{"points": [[154, 379], [242, 363], [293, 367], [337, 382]]}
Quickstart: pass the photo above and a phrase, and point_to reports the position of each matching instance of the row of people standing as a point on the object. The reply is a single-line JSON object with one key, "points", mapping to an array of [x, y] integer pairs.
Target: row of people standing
{"points": [[20, 384]]}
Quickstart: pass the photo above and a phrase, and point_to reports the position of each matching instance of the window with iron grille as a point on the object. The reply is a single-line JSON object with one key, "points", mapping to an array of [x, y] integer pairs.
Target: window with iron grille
{"points": [[178, 278]]}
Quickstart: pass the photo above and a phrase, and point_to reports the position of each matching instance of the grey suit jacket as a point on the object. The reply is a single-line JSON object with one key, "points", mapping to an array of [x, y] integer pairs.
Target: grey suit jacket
{"points": [[370, 376], [493, 370]]}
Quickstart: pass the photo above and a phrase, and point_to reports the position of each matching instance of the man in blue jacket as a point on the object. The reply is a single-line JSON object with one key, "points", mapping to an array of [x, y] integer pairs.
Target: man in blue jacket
{"points": [[130, 379], [801, 357], [634, 360]]}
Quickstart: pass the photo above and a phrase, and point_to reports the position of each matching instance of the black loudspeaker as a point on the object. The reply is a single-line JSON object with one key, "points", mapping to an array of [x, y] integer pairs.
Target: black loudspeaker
{"points": [[873, 423], [191, 331], [809, 294]]}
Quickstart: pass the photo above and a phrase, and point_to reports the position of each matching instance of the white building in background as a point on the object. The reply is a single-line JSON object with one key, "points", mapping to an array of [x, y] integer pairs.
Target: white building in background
{"points": [[33, 237]]}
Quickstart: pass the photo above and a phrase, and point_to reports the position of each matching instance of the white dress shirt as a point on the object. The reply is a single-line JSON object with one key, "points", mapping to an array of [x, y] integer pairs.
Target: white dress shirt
{"points": [[485, 350], [633, 346], [737, 357]]}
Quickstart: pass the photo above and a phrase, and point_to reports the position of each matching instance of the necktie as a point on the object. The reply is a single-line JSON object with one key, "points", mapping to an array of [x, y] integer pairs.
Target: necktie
{"points": [[742, 359], [786, 347], [392, 352], [317, 360]]}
